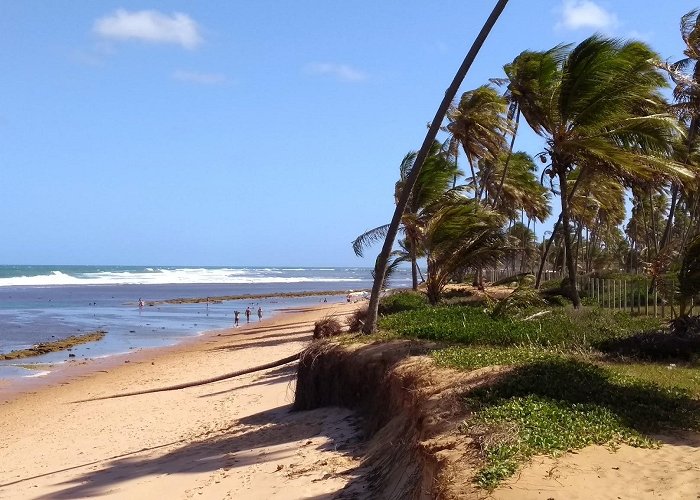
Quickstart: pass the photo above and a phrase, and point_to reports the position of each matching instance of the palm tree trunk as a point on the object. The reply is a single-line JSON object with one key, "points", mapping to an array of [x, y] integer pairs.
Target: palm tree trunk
{"points": [[692, 132], [414, 264], [546, 252], [382, 260], [510, 154], [571, 267]]}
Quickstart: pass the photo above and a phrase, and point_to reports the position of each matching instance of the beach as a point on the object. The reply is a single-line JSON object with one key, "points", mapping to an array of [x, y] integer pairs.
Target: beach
{"points": [[231, 439]]}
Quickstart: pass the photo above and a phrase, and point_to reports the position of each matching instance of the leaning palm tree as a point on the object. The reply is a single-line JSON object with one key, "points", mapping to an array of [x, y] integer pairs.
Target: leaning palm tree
{"points": [[478, 124], [433, 182], [393, 228], [598, 107]]}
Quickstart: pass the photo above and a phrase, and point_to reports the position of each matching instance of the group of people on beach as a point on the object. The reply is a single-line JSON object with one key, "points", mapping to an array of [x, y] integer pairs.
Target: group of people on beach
{"points": [[248, 312]]}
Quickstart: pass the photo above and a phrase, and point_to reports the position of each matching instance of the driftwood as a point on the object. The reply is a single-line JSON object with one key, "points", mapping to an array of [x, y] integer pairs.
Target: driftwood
{"points": [[177, 387]]}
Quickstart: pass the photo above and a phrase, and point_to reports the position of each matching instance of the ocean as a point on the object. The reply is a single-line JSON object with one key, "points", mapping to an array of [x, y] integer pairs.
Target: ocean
{"points": [[48, 303]]}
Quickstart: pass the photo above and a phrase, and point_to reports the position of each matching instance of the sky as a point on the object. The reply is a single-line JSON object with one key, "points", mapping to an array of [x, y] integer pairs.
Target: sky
{"points": [[243, 133]]}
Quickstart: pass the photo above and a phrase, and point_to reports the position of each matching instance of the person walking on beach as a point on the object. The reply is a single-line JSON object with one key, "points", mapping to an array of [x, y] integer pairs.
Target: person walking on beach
{"points": [[235, 318], [247, 314], [259, 313]]}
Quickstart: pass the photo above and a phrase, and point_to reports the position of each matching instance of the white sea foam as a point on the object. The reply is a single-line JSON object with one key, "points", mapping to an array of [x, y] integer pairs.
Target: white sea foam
{"points": [[170, 276], [37, 374]]}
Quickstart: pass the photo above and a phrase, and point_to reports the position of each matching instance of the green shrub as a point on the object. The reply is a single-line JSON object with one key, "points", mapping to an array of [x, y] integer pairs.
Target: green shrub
{"points": [[402, 301]]}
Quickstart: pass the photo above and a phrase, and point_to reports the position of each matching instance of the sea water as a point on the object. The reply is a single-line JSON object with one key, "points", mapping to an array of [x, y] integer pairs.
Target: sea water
{"points": [[48, 303]]}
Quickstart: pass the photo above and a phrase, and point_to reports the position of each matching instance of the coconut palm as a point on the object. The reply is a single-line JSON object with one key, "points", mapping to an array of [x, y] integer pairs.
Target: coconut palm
{"points": [[598, 107], [459, 234], [519, 187], [598, 208], [393, 228], [433, 182], [479, 125]]}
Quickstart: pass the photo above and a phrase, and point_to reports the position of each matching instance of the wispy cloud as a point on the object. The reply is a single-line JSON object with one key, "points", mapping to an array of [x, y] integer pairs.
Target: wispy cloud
{"points": [[199, 78], [150, 26], [578, 14], [342, 72]]}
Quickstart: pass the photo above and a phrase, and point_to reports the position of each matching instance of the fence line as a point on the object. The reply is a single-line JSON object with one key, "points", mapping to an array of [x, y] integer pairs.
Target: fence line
{"points": [[634, 295]]}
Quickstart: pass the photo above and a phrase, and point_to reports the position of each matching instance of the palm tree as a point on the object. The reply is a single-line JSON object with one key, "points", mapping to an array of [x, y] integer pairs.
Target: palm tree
{"points": [[478, 123], [460, 234], [433, 182], [516, 179], [597, 106], [687, 98], [382, 260]]}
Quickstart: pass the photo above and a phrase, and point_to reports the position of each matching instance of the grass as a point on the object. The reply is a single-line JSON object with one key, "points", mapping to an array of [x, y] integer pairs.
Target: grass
{"points": [[563, 392], [562, 328]]}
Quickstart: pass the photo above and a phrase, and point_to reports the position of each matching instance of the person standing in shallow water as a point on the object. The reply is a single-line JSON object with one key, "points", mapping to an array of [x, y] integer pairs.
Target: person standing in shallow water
{"points": [[247, 314], [235, 318], [259, 313]]}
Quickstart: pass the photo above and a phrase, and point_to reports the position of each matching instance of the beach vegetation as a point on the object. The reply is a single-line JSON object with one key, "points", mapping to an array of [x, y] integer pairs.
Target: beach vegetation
{"points": [[402, 301], [568, 378], [422, 154], [327, 327], [356, 320]]}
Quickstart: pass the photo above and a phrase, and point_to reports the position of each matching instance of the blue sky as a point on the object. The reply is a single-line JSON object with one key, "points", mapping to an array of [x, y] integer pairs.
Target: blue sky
{"points": [[242, 133]]}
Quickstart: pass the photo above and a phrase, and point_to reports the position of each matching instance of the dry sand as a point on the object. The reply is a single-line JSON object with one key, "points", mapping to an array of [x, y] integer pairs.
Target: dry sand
{"points": [[232, 439], [670, 472]]}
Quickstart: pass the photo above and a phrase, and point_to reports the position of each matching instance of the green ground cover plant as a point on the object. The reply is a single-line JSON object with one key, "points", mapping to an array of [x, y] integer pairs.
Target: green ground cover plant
{"points": [[402, 301], [555, 405], [563, 391], [561, 328]]}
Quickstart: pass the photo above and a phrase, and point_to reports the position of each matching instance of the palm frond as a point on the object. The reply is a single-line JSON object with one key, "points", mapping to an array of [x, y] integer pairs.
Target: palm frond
{"points": [[368, 238]]}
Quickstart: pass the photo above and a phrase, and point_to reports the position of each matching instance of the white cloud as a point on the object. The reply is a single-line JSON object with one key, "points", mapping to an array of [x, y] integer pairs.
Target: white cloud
{"points": [[199, 78], [577, 14], [150, 26], [342, 72]]}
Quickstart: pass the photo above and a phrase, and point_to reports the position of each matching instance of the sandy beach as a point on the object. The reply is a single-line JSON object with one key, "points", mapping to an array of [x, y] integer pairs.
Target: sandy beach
{"points": [[231, 439]]}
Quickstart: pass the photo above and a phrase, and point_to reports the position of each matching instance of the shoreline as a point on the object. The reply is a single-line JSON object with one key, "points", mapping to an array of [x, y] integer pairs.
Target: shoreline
{"points": [[53, 374], [226, 298], [53, 369], [235, 437]]}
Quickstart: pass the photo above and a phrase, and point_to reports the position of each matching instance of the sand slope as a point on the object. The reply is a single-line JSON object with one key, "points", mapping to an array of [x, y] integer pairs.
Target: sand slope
{"points": [[232, 439]]}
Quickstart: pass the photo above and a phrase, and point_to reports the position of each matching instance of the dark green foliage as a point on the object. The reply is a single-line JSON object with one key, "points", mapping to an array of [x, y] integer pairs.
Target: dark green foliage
{"points": [[689, 274], [555, 405], [402, 301]]}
